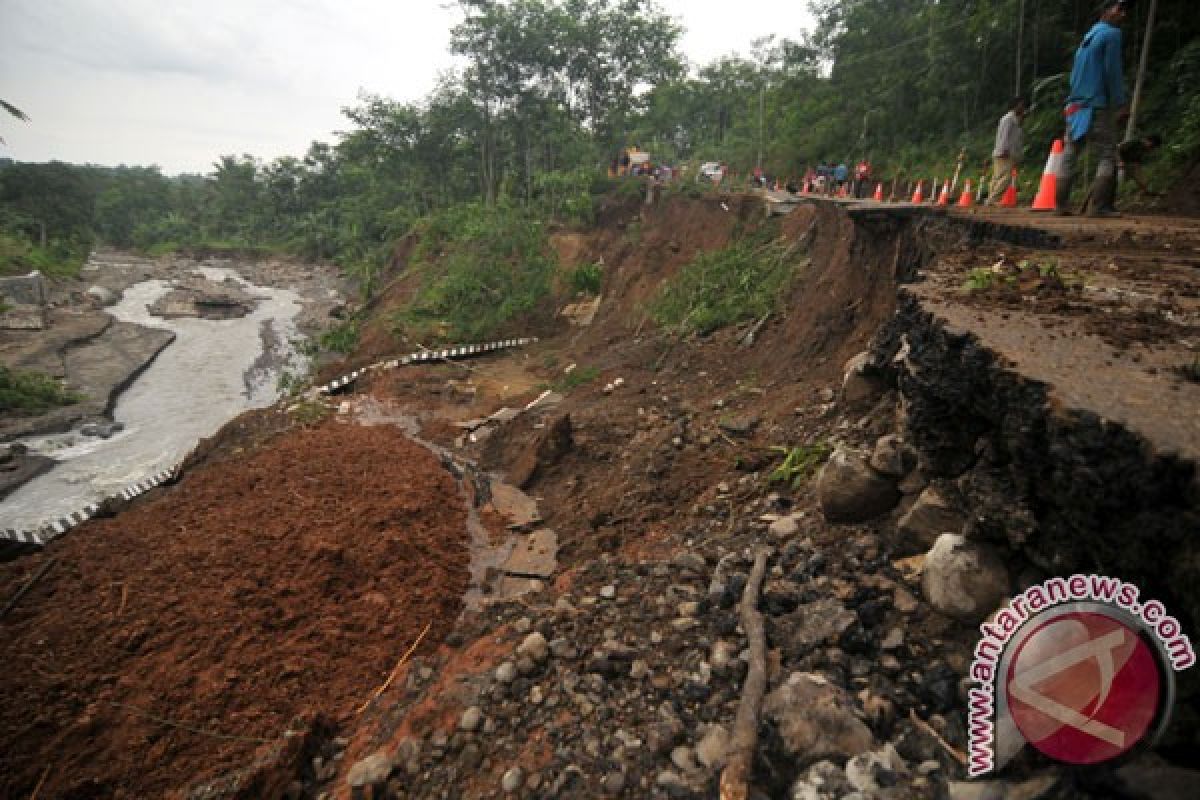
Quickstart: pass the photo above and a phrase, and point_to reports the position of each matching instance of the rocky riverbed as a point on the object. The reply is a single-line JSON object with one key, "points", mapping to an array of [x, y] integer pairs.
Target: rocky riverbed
{"points": [[98, 344]]}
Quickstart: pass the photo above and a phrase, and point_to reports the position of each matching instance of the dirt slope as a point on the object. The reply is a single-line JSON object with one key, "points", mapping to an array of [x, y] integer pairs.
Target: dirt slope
{"points": [[177, 643]]}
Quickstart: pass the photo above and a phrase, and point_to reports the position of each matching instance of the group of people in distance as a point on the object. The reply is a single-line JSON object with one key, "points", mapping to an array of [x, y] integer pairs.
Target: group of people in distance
{"points": [[837, 179], [1096, 105]]}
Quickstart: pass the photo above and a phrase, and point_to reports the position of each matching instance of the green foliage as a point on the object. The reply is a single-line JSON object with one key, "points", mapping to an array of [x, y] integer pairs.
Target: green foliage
{"points": [[28, 391], [576, 378], [481, 267], [799, 463], [59, 259], [341, 338], [567, 196], [981, 279], [551, 90], [587, 279], [719, 288]]}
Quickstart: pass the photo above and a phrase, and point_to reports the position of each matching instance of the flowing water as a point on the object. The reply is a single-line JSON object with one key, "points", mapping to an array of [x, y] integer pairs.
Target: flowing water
{"points": [[214, 370]]}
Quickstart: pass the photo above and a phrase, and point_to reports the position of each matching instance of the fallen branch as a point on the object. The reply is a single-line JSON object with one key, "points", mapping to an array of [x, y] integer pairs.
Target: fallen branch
{"points": [[958, 755], [735, 779], [37, 576], [395, 669], [38, 788]]}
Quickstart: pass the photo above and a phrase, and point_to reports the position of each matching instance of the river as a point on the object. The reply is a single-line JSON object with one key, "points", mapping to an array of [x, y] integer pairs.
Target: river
{"points": [[214, 370]]}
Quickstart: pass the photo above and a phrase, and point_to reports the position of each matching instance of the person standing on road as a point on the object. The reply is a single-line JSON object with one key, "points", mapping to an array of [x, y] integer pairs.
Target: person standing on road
{"points": [[840, 174], [1010, 145], [862, 177], [1095, 106]]}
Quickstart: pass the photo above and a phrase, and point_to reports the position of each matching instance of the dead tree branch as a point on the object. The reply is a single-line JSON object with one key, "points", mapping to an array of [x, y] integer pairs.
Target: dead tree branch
{"points": [[735, 779]]}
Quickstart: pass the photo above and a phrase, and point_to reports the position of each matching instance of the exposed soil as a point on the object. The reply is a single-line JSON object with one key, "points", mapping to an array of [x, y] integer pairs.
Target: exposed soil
{"points": [[657, 494], [179, 641]]}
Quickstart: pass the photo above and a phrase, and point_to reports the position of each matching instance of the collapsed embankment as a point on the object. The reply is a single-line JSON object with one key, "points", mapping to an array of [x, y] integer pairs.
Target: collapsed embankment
{"points": [[621, 674]]}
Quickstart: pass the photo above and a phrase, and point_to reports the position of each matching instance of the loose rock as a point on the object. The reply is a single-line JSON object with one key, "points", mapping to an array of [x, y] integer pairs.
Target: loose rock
{"points": [[816, 719], [512, 780], [535, 647], [931, 515], [966, 580], [849, 491]]}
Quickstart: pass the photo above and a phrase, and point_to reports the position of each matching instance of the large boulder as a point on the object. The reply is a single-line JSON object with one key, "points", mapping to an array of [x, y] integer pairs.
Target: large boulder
{"points": [[849, 491], [816, 720], [862, 384], [964, 579]]}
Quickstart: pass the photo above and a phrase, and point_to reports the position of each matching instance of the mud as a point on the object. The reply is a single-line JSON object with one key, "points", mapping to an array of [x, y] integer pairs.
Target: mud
{"points": [[179, 641]]}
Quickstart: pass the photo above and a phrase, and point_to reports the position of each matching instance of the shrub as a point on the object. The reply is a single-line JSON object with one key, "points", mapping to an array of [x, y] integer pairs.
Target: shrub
{"points": [[480, 268], [587, 278], [341, 338], [28, 391], [722, 287]]}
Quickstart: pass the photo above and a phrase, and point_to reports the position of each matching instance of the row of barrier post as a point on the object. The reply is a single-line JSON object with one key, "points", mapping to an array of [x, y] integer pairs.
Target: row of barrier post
{"points": [[1043, 201]]}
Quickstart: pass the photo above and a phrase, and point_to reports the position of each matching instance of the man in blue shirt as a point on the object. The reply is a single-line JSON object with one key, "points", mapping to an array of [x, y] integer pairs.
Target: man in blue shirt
{"points": [[840, 173], [1096, 103]]}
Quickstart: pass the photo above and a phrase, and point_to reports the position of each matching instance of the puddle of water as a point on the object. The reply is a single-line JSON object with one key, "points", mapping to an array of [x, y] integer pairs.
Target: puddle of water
{"points": [[213, 371]]}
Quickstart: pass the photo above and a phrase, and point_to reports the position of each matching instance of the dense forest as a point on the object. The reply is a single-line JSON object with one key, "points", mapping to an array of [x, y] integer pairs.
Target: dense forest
{"points": [[550, 91]]}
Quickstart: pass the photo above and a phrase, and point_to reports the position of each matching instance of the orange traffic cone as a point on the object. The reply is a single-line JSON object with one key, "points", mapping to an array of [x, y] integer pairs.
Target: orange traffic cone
{"points": [[1010, 194], [879, 193], [968, 198], [944, 197], [918, 196], [1049, 187]]}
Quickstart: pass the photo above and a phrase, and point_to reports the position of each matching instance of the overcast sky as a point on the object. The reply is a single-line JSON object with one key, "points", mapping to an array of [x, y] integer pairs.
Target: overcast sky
{"points": [[177, 83]]}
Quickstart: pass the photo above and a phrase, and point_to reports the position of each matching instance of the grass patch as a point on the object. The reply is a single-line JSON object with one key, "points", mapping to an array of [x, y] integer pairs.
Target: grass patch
{"points": [[19, 256], [163, 249], [742, 282], [481, 268], [32, 392], [982, 279], [799, 463], [576, 378], [341, 338], [587, 279]]}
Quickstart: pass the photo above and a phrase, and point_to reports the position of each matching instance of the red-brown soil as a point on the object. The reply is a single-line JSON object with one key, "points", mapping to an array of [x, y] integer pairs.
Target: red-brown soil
{"points": [[256, 596]]}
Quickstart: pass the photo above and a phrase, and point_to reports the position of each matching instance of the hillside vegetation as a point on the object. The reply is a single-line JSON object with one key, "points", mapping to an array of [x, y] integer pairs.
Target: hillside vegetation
{"points": [[551, 91]]}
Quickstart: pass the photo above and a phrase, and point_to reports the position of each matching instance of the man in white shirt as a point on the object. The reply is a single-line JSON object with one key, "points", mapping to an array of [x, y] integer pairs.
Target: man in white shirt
{"points": [[1010, 142]]}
